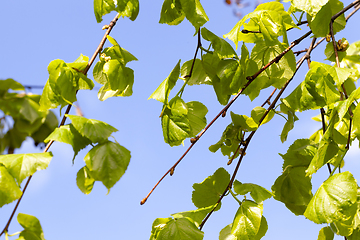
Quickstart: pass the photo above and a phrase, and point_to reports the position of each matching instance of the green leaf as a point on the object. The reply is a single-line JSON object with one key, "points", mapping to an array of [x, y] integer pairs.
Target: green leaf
{"points": [[208, 192], [294, 181], [330, 53], [309, 6], [128, 8], [171, 12], [161, 94], [327, 149], [258, 193], [175, 122], [84, 181], [229, 141], [247, 220], [68, 134], [352, 58], [299, 154], [316, 91], [198, 75], [244, 122], [9, 190], [180, 229], [225, 233], [107, 162], [269, 18], [319, 22], [103, 7], [95, 130], [157, 226], [197, 216], [355, 235], [32, 228], [196, 114], [277, 74], [221, 47], [289, 125], [120, 78], [21, 166], [10, 83], [194, 12], [258, 112], [326, 234], [333, 199], [47, 127]]}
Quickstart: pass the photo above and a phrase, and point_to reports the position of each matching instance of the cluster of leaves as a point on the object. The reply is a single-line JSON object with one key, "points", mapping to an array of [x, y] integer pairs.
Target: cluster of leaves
{"points": [[29, 115], [329, 88]]}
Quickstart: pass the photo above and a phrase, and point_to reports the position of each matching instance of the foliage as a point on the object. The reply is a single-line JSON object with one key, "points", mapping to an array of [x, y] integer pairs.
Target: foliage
{"points": [[265, 59]]}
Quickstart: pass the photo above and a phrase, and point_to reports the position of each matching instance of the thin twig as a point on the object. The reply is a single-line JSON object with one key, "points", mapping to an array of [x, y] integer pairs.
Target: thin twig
{"points": [[267, 101], [98, 49], [250, 80]]}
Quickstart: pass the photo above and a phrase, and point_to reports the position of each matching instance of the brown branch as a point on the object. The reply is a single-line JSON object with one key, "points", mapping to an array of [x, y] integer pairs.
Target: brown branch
{"points": [[307, 55], [196, 51], [97, 51], [223, 111], [267, 101]]}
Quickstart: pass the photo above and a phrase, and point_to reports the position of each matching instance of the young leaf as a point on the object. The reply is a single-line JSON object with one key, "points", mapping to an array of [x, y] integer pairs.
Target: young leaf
{"points": [[157, 226], [196, 115], [128, 8], [161, 94], [194, 12], [311, 6], [244, 122], [268, 21], [196, 216], [120, 78], [299, 154], [103, 7], [21, 166], [221, 47], [198, 75], [171, 12], [326, 234], [293, 180], [84, 181], [258, 112], [208, 192], [225, 233], [247, 220], [68, 134], [32, 228], [9, 190], [95, 130], [332, 199], [319, 22], [258, 193], [229, 141], [107, 162], [289, 125], [180, 229], [175, 123]]}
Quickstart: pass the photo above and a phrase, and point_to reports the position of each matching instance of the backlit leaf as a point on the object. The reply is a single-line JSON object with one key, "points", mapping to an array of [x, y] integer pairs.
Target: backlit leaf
{"points": [[9, 190], [196, 115], [107, 162], [208, 192], [21, 166], [95, 130], [161, 94], [258, 193], [326, 234], [332, 199], [171, 12], [32, 228], [194, 12], [84, 181], [180, 229], [247, 220], [221, 47]]}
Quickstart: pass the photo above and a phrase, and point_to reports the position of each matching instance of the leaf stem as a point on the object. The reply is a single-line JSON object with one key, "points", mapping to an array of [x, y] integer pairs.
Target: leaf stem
{"points": [[97, 51]]}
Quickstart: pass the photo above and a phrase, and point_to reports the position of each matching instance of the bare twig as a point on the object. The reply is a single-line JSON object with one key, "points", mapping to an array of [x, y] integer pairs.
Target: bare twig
{"points": [[98, 49]]}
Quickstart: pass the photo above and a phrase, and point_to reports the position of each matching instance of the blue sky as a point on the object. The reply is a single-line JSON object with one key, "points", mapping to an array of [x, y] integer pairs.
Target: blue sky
{"points": [[36, 32]]}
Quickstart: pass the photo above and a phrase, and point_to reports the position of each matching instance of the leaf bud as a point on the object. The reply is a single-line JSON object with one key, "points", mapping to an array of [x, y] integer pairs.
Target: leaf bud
{"points": [[172, 171], [107, 58], [223, 114], [193, 140], [328, 38], [105, 27]]}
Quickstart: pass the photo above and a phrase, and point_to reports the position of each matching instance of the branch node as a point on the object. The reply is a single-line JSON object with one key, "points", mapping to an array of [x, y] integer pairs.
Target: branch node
{"points": [[249, 78], [172, 171]]}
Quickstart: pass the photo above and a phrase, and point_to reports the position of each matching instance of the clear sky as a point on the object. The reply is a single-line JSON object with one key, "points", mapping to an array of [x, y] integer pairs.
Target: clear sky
{"points": [[33, 33]]}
